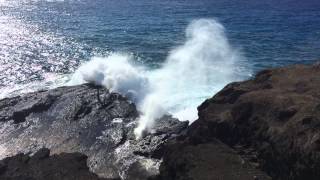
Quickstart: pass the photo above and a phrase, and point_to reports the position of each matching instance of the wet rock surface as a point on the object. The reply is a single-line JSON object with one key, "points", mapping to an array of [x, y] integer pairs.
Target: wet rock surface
{"points": [[85, 119], [265, 127]]}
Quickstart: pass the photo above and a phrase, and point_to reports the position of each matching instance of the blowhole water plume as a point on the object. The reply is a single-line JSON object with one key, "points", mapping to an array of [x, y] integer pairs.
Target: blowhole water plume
{"points": [[191, 73]]}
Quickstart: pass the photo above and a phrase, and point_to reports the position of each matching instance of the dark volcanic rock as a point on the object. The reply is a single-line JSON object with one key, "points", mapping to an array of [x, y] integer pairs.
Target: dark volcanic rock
{"points": [[86, 119], [65, 166], [271, 121], [206, 161]]}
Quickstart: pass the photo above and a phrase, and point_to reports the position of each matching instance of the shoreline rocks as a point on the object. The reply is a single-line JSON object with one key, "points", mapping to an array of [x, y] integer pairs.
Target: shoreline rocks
{"points": [[86, 119], [272, 122], [264, 128]]}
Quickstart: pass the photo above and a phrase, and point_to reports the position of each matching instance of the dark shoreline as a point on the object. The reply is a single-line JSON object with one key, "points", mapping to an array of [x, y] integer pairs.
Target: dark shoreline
{"points": [[267, 127]]}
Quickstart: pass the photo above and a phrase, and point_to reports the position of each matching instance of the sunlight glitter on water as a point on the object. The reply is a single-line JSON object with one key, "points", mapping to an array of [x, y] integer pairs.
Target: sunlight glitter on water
{"points": [[29, 56]]}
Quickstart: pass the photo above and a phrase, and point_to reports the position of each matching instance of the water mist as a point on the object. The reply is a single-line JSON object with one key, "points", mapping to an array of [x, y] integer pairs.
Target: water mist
{"points": [[191, 73]]}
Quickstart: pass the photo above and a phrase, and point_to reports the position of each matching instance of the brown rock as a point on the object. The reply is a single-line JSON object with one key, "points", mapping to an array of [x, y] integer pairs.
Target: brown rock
{"points": [[272, 121]]}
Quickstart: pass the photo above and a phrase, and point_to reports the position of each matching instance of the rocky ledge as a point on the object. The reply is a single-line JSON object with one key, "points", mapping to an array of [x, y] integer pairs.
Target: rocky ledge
{"points": [[263, 128], [84, 119]]}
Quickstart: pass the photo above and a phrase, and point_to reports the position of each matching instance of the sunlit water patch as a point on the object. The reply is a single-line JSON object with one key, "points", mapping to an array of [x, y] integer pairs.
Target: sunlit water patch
{"points": [[31, 59]]}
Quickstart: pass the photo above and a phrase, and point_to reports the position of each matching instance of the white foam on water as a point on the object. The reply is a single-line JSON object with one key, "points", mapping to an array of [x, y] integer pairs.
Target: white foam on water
{"points": [[192, 72], [116, 73], [51, 81]]}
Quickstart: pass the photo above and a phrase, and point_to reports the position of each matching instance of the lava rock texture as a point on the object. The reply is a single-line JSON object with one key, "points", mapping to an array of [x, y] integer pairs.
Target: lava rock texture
{"points": [[263, 128], [86, 119]]}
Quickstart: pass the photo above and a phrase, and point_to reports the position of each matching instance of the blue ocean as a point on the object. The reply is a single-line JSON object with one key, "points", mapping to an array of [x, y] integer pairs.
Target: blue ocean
{"points": [[166, 55]]}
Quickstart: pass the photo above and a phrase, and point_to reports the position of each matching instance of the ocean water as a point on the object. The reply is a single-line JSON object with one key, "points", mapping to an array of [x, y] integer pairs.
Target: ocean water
{"points": [[167, 55]]}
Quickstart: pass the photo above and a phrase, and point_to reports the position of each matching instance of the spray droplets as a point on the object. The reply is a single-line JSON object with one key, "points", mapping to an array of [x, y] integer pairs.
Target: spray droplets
{"points": [[191, 73]]}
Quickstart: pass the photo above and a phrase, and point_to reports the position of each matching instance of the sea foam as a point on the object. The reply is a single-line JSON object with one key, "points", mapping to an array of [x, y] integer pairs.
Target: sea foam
{"points": [[191, 73], [116, 73]]}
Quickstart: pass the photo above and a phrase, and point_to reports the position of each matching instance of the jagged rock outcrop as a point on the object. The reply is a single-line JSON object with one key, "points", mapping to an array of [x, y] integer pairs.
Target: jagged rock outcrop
{"points": [[270, 123], [264, 128], [89, 120]]}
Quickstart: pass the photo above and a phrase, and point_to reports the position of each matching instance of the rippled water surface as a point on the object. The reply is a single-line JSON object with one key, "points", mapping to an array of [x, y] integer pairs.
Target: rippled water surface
{"points": [[43, 40]]}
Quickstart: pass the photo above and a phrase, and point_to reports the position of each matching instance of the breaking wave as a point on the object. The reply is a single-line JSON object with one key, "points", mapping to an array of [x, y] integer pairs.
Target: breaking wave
{"points": [[191, 73]]}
